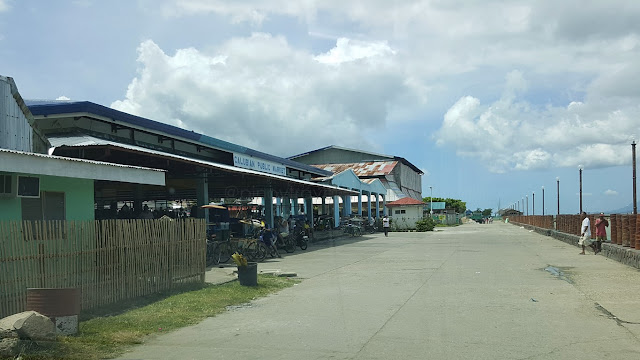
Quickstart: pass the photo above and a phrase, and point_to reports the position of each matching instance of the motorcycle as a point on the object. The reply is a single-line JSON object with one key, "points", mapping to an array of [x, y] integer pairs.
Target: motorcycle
{"points": [[301, 238]]}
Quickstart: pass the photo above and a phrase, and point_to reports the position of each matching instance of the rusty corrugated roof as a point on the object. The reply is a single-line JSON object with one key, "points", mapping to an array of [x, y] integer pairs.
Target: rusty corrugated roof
{"points": [[363, 169]]}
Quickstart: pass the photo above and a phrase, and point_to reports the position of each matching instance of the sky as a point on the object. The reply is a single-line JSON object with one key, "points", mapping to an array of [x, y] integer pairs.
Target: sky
{"points": [[493, 100]]}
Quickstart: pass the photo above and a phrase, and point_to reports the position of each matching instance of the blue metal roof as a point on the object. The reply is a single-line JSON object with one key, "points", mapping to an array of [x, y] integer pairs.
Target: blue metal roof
{"points": [[48, 107]]}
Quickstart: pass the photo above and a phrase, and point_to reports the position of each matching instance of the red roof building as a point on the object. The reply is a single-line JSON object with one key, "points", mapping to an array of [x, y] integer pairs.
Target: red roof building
{"points": [[404, 202]]}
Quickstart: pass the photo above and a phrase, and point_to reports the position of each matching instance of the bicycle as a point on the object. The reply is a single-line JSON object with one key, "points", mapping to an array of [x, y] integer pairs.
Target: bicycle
{"points": [[253, 250], [352, 230]]}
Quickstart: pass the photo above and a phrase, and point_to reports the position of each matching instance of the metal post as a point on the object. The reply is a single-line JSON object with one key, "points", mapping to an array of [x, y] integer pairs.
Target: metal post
{"points": [[543, 201], [580, 170], [527, 196], [558, 190], [533, 203], [633, 160]]}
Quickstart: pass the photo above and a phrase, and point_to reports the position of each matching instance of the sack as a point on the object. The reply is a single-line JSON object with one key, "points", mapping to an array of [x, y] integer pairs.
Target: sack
{"points": [[586, 241]]}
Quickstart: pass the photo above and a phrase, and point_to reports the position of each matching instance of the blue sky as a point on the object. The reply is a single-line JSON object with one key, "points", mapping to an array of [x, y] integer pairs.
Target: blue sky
{"points": [[492, 99]]}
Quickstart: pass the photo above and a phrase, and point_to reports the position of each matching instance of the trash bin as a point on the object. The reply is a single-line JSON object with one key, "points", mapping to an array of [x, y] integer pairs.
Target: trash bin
{"points": [[248, 275], [61, 305]]}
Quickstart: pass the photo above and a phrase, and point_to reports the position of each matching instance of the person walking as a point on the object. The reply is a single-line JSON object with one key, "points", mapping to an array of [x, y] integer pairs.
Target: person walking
{"points": [[385, 225], [601, 232], [585, 230]]}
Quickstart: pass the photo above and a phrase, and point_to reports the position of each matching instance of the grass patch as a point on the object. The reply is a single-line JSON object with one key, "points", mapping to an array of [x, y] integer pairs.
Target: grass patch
{"points": [[445, 225], [107, 332]]}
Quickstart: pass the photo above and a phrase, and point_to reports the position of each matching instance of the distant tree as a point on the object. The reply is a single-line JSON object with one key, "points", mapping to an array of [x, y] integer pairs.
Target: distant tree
{"points": [[487, 212], [458, 205]]}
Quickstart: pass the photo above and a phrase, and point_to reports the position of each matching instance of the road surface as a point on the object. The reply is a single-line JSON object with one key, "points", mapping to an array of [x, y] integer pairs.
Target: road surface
{"points": [[493, 291]]}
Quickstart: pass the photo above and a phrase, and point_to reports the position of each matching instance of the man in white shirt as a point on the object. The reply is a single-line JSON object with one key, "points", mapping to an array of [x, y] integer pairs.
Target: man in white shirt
{"points": [[585, 230], [385, 225]]}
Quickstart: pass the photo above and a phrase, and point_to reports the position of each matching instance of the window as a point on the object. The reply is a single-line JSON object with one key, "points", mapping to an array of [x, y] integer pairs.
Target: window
{"points": [[6, 187], [28, 186], [400, 211]]}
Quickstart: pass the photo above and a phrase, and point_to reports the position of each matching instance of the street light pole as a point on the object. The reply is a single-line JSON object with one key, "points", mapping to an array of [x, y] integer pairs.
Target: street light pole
{"points": [[527, 196], [543, 201], [633, 160], [558, 190], [580, 171], [534, 202]]}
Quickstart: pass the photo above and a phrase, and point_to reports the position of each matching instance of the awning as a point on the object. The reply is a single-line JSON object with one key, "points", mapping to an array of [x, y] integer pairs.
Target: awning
{"points": [[213, 207], [308, 188]]}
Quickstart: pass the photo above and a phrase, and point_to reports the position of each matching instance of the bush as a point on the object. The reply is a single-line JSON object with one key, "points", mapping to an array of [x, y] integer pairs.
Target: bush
{"points": [[426, 224]]}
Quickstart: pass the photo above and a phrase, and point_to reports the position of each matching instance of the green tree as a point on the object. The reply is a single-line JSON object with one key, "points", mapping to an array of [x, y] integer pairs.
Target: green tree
{"points": [[458, 205], [487, 212]]}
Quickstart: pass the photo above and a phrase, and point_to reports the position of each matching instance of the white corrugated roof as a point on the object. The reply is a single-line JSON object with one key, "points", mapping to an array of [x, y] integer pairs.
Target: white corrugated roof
{"points": [[41, 164], [87, 140]]}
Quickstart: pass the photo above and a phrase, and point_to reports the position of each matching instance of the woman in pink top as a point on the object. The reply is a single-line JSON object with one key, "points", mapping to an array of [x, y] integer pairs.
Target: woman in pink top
{"points": [[601, 232]]}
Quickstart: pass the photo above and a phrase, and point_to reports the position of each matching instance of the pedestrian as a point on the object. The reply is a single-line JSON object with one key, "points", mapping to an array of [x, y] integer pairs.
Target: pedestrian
{"points": [[585, 229], [385, 225], [601, 232]]}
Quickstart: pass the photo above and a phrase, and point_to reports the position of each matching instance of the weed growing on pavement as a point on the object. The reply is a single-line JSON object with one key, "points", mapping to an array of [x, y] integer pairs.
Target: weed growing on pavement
{"points": [[107, 332]]}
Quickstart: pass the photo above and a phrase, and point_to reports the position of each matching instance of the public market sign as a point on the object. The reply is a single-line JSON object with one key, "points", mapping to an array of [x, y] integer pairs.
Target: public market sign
{"points": [[248, 162]]}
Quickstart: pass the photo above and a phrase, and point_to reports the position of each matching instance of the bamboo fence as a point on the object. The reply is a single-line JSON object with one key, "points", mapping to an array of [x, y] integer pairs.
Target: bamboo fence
{"points": [[109, 260]]}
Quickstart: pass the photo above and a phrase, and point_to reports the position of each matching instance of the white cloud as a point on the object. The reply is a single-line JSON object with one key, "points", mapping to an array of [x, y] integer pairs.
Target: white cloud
{"points": [[537, 84], [63, 98], [4, 5], [511, 133], [347, 50], [610, 192], [262, 93]]}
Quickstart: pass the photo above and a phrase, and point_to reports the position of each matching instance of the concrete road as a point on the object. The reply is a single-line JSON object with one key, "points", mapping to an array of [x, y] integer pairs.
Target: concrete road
{"points": [[470, 292]]}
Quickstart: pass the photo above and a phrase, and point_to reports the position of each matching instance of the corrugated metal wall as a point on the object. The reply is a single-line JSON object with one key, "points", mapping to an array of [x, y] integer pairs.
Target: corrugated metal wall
{"points": [[410, 181], [15, 131]]}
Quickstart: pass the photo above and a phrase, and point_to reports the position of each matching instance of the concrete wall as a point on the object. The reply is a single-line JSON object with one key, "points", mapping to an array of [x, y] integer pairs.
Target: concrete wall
{"points": [[625, 255], [79, 198], [406, 221]]}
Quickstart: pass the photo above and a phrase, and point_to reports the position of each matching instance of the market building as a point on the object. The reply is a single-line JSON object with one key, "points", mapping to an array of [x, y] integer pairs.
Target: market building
{"points": [[399, 177], [37, 186], [199, 168]]}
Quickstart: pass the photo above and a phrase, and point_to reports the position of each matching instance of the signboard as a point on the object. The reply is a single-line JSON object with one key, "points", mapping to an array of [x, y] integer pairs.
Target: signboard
{"points": [[249, 162]]}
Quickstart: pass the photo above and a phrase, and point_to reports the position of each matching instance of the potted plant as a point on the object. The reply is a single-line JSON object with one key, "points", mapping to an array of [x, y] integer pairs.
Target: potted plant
{"points": [[247, 271]]}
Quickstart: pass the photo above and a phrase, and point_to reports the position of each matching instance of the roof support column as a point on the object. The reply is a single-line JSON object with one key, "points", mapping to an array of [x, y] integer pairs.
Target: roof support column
{"points": [[294, 205], [268, 207], [369, 205], [324, 204], [278, 206], [308, 202], [202, 195], [286, 207], [384, 204], [377, 205], [360, 203], [138, 195], [336, 211], [346, 208]]}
